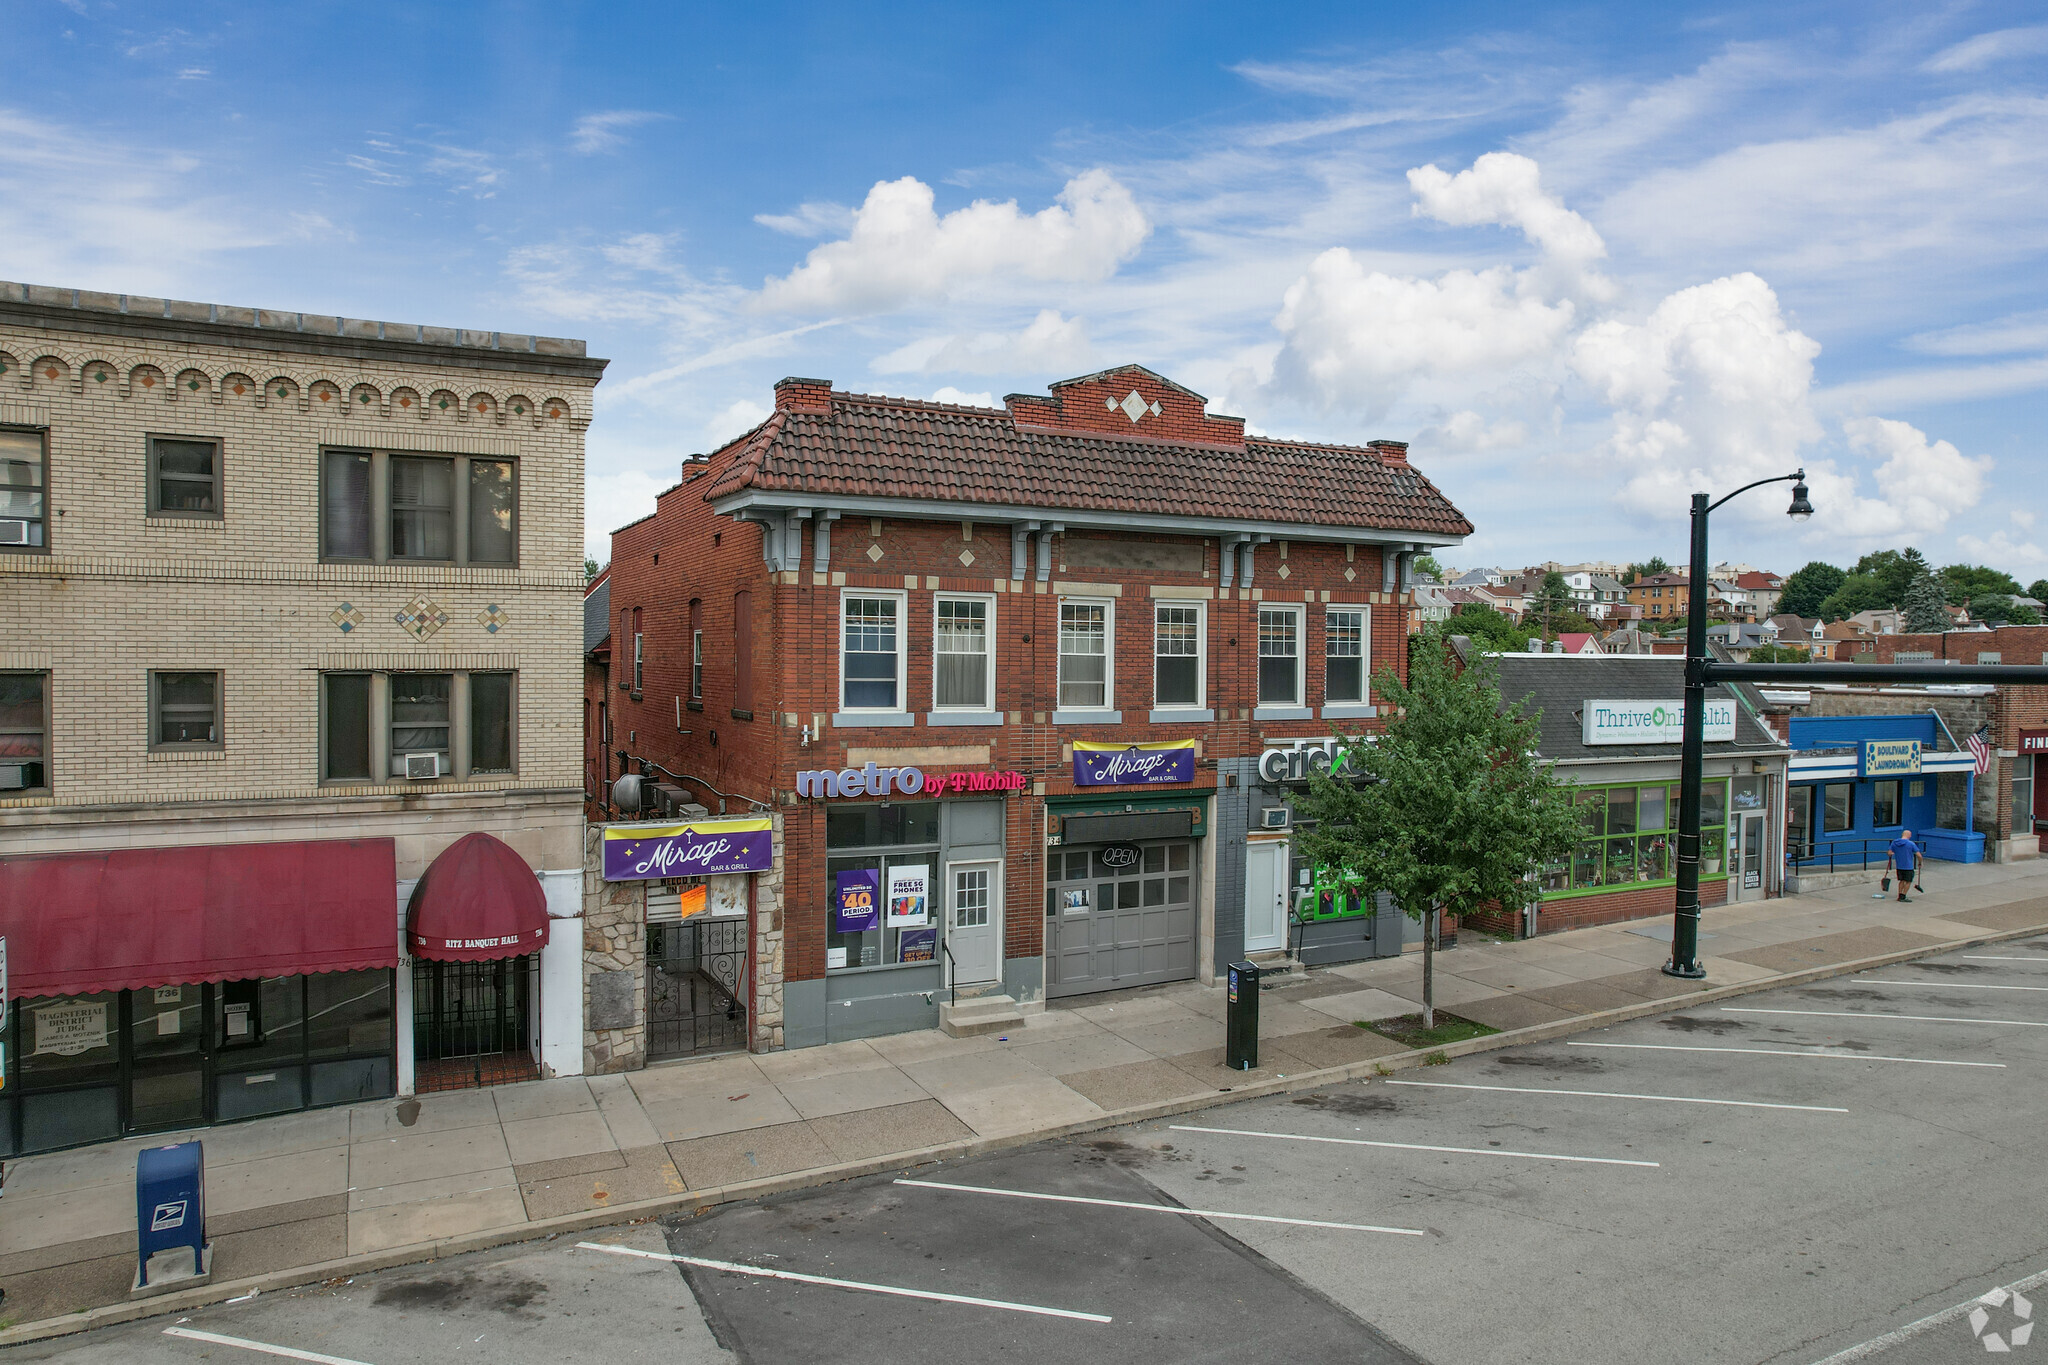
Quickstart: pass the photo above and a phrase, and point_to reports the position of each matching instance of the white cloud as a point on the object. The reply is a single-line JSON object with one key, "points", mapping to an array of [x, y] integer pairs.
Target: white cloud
{"points": [[901, 251], [194, 73], [735, 419], [614, 498], [948, 394], [2001, 551], [1359, 338], [1506, 189], [2001, 336], [1922, 483], [605, 132], [1469, 432], [1051, 345], [809, 220], [1710, 391], [1986, 48]]}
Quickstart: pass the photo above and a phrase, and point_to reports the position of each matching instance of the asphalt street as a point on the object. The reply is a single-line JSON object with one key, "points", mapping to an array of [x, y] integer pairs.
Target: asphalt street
{"points": [[1827, 1173]]}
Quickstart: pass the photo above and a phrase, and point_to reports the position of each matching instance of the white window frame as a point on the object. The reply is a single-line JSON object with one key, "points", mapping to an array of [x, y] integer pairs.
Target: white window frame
{"points": [[1300, 701], [1106, 713], [639, 661], [1198, 708], [1363, 706], [902, 601], [987, 705], [697, 665]]}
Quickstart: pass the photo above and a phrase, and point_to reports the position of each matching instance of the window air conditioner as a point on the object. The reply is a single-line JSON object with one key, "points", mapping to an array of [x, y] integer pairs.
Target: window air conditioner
{"points": [[419, 767], [13, 531], [13, 776], [1275, 817]]}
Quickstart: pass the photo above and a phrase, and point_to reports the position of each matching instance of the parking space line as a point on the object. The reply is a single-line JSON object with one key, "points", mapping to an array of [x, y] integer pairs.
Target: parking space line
{"points": [[288, 1352], [1981, 957], [1831, 1054], [1160, 1208], [1994, 1297], [762, 1272], [1620, 1095], [1417, 1146], [1945, 985], [1873, 1014]]}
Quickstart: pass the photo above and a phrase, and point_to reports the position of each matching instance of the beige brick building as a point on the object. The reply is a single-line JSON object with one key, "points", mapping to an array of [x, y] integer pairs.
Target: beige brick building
{"points": [[275, 579]]}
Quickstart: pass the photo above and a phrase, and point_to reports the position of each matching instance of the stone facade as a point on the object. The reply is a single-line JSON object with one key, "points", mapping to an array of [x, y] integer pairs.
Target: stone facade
{"points": [[614, 967]]}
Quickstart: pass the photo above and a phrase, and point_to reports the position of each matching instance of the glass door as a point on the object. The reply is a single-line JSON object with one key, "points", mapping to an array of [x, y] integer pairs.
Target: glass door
{"points": [[1749, 885], [167, 1058]]}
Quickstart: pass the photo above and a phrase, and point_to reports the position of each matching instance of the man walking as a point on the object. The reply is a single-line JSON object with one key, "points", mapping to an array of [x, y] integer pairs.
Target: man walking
{"points": [[1898, 861]]}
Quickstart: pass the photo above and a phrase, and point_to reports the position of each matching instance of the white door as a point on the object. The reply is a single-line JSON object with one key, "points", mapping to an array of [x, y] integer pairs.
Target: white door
{"points": [[974, 921], [1265, 897], [1748, 869]]}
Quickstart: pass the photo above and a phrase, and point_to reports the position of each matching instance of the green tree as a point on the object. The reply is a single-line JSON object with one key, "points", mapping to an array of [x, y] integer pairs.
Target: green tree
{"points": [[1966, 582], [1493, 630], [1859, 592], [1777, 654], [590, 568], [1923, 607], [1806, 589], [1554, 598], [1454, 810], [1654, 565], [2038, 590], [1894, 571], [1997, 607], [1427, 564]]}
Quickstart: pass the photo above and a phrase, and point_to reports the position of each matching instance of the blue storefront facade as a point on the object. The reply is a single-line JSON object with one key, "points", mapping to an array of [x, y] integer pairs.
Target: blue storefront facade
{"points": [[1856, 782]]}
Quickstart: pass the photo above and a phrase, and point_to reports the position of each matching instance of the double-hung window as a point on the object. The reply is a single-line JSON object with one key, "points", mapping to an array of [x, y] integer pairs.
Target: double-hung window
{"points": [[1345, 655], [372, 723], [1177, 655], [184, 710], [1279, 656], [184, 477], [639, 654], [24, 732], [963, 654], [450, 509], [871, 652], [24, 470], [1084, 672], [697, 652]]}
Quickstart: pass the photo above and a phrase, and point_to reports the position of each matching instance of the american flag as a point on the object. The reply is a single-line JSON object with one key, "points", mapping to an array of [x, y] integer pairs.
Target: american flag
{"points": [[1980, 749]]}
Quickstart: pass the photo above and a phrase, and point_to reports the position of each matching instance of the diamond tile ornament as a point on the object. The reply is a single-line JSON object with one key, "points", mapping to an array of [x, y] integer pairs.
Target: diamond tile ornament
{"points": [[1134, 406], [1286, 572], [346, 617], [1351, 575], [967, 556], [874, 552], [493, 619], [420, 618]]}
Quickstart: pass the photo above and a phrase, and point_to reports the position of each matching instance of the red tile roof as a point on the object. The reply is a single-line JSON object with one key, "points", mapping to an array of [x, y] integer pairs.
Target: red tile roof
{"points": [[859, 445]]}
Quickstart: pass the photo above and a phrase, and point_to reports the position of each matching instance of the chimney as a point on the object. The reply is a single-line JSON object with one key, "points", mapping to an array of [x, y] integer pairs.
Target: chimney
{"points": [[1394, 453], [803, 395]]}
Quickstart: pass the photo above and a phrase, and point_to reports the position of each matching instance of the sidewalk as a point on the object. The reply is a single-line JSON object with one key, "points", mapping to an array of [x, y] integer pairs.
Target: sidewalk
{"points": [[392, 1179]]}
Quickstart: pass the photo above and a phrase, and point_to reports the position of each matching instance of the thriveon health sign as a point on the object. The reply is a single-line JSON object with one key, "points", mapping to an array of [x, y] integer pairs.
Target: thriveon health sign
{"points": [[1654, 722], [700, 849]]}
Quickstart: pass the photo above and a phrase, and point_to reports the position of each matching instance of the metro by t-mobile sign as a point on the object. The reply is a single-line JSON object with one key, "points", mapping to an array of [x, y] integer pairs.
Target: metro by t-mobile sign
{"points": [[870, 780]]}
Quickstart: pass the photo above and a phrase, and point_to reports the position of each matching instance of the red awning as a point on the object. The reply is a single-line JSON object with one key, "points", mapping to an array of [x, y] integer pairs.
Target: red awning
{"points": [[479, 900], [134, 917]]}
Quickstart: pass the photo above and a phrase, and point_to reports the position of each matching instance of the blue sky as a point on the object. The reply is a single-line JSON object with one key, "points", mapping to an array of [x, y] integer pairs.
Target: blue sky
{"points": [[1586, 258]]}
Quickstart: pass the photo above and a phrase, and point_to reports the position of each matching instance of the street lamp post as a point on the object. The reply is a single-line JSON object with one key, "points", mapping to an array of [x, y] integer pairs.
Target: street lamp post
{"points": [[1685, 927]]}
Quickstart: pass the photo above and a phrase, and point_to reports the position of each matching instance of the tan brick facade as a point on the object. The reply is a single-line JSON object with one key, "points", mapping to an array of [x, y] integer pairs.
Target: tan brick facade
{"points": [[117, 592]]}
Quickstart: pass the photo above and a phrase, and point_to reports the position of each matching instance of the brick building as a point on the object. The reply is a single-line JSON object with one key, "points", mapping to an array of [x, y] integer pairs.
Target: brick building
{"points": [[1662, 596], [2019, 726], [930, 636], [289, 607]]}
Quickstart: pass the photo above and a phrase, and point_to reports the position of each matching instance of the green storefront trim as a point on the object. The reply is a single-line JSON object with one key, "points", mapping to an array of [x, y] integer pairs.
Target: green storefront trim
{"points": [[1712, 836], [1626, 886], [1195, 800]]}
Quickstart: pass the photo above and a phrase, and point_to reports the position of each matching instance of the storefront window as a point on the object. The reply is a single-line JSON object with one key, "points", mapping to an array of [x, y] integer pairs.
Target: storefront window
{"points": [[1629, 837], [1884, 804], [70, 1069], [1799, 821], [1840, 813], [857, 884]]}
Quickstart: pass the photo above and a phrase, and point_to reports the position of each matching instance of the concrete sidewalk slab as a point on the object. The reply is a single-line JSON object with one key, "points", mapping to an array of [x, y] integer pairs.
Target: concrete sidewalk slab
{"points": [[392, 1181]]}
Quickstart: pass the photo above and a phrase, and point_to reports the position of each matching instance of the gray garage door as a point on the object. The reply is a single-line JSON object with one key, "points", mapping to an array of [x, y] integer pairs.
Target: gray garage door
{"points": [[1114, 921]]}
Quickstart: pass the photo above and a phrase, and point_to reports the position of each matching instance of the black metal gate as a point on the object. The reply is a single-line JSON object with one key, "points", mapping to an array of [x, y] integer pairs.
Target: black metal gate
{"points": [[471, 1022], [696, 987]]}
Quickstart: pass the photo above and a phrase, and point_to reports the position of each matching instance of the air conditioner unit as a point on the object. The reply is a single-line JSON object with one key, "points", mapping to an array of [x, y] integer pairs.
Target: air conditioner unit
{"points": [[420, 767], [13, 531], [13, 776], [1275, 817]]}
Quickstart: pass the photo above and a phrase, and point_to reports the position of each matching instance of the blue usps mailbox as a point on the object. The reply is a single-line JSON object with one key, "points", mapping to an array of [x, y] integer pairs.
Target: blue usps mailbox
{"points": [[170, 1208]]}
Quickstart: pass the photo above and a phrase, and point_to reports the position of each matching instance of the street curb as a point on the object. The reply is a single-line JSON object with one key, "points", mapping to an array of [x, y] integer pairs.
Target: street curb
{"points": [[697, 1200]]}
